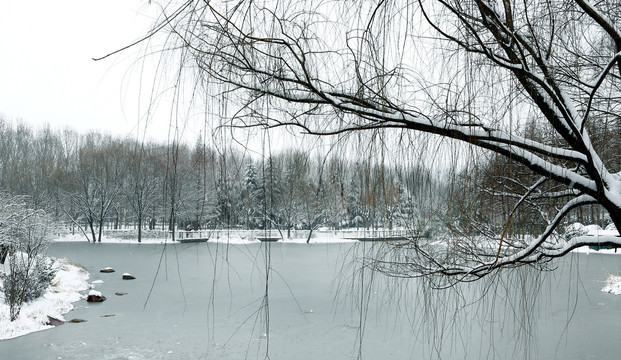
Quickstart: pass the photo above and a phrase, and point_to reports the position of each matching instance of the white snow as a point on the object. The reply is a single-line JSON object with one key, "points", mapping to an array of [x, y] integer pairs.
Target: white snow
{"points": [[610, 234], [97, 282], [57, 300], [235, 237], [576, 228], [594, 230], [94, 293], [613, 285]]}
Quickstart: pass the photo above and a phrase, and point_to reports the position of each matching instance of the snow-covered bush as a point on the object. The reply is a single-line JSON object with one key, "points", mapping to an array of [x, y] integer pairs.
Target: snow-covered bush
{"points": [[575, 229], [26, 280], [24, 235]]}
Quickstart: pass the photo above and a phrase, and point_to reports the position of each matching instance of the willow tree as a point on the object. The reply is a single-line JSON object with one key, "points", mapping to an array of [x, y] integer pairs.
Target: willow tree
{"points": [[471, 71]]}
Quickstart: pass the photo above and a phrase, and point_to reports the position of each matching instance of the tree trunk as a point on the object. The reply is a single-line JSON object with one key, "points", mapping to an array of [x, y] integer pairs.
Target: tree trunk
{"points": [[100, 230], [615, 213], [310, 233], [4, 251], [139, 228], [92, 226], [171, 221]]}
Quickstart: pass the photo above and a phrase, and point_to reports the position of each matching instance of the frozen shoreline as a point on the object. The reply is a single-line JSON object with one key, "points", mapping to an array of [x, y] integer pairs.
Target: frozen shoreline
{"points": [[233, 239], [57, 301], [70, 280]]}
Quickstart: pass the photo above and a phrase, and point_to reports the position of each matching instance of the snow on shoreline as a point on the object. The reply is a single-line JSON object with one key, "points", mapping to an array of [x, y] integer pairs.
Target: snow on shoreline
{"points": [[234, 238], [57, 300]]}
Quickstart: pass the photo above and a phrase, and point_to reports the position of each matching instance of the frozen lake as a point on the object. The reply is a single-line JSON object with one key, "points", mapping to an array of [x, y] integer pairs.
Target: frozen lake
{"points": [[207, 301]]}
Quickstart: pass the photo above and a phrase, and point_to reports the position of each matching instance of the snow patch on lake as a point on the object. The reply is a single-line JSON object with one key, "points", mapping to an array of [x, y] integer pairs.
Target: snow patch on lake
{"points": [[57, 300], [613, 285]]}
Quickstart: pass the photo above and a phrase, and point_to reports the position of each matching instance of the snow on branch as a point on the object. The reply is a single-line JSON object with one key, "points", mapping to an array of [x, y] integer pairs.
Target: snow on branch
{"points": [[486, 71]]}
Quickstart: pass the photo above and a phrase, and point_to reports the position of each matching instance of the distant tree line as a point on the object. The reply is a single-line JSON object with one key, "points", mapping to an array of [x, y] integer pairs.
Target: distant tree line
{"points": [[94, 181]]}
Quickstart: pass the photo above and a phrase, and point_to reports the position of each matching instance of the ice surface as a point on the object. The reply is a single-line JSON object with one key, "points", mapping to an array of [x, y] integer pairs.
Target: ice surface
{"points": [[207, 302]]}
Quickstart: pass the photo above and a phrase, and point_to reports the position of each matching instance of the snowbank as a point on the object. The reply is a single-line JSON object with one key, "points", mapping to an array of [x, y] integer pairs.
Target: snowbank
{"points": [[57, 300], [601, 236], [589, 250], [234, 237], [596, 232]]}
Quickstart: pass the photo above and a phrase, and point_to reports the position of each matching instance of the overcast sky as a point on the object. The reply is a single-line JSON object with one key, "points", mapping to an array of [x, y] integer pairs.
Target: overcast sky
{"points": [[47, 74]]}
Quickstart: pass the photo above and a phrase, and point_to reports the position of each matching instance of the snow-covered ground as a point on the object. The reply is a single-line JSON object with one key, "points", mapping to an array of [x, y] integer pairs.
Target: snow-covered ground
{"points": [[598, 233], [229, 237], [57, 300]]}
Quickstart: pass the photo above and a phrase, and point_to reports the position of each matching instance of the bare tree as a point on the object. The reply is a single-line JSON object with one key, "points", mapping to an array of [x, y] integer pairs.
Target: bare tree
{"points": [[94, 185], [310, 188], [142, 185], [463, 70], [295, 168], [202, 189]]}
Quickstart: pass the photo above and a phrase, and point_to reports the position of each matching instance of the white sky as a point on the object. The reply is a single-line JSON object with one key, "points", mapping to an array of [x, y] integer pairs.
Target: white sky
{"points": [[47, 74]]}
